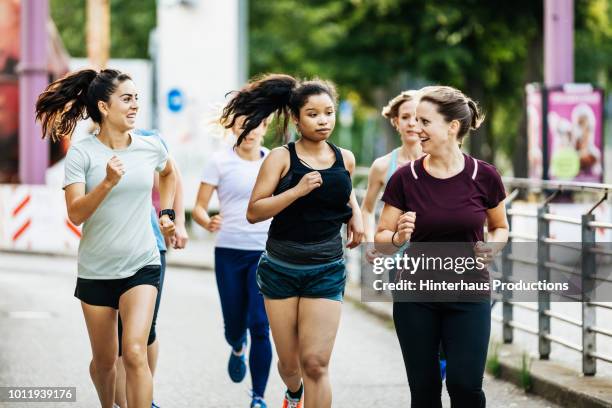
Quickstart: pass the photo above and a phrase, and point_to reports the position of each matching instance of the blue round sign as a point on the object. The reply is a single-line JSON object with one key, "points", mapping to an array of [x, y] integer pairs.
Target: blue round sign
{"points": [[175, 100]]}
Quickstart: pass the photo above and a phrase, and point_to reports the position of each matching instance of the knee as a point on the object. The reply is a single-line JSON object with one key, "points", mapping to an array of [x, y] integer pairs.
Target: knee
{"points": [[288, 368], [314, 366], [464, 388], [104, 362], [260, 331], [134, 355]]}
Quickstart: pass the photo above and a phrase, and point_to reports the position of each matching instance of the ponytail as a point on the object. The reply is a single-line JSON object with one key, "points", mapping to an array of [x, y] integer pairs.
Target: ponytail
{"points": [[278, 94], [476, 113], [452, 104], [258, 100], [75, 97], [63, 103]]}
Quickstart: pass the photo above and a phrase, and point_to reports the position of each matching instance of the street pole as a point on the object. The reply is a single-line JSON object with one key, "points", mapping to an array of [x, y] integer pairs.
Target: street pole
{"points": [[558, 42], [98, 33], [33, 151], [243, 41]]}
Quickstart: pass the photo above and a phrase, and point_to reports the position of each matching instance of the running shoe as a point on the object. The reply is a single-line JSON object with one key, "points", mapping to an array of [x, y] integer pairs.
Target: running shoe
{"points": [[258, 402], [289, 402], [236, 366], [443, 369]]}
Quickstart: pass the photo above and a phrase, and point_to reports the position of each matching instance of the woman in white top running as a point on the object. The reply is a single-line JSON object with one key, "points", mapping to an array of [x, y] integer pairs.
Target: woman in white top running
{"points": [[239, 245]]}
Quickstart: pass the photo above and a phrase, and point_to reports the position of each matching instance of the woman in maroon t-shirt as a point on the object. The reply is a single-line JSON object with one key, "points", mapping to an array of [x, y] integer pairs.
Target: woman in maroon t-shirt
{"points": [[445, 196]]}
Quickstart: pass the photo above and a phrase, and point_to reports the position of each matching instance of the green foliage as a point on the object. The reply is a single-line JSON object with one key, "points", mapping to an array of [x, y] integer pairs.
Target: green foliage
{"points": [[69, 17], [131, 23], [493, 364], [372, 49], [377, 47], [526, 379]]}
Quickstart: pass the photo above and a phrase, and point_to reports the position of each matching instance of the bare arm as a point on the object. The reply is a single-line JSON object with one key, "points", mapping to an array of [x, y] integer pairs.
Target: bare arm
{"points": [[180, 235], [81, 206], [178, 204], [200, 210], [354, 228], [387, 224], [368, 206], [167, 189], [263, 204], [497, 225]]}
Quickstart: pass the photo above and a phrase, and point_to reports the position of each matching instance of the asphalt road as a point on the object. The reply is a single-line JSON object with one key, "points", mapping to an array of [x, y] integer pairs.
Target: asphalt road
{"points": [[43, 342]]}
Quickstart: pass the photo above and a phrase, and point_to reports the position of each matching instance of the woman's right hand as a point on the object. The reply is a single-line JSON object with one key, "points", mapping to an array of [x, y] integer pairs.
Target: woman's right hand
{"points": [[371, 253], [309, 182], [405, 227], [215, 223], [114, 170]]}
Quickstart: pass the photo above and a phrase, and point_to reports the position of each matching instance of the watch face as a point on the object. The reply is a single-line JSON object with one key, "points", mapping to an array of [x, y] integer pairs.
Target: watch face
{"points": [[169, 213]]}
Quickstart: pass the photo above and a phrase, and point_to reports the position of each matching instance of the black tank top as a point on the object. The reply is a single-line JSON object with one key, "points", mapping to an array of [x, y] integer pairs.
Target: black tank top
{"points": [[319, 215]]}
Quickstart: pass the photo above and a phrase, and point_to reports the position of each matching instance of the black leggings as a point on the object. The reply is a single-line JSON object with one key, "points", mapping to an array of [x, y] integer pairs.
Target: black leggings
{"points": [[463, 329]]}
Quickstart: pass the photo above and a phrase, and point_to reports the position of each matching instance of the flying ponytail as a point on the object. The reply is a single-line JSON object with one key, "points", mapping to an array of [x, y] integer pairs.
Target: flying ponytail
{"points": [[278, 94], [75, 97]]}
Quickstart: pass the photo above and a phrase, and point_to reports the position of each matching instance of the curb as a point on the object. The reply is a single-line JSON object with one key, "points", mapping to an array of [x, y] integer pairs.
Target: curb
{"points": [[555, 382], [549, 380]]}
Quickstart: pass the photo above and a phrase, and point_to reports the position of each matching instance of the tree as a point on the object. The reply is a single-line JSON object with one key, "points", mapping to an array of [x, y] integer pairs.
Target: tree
{"points": [[373, 48], [131, 23]]}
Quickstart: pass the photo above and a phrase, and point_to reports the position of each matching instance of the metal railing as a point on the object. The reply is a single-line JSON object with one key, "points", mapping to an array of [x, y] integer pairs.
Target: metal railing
{"points": [[544, 264]]}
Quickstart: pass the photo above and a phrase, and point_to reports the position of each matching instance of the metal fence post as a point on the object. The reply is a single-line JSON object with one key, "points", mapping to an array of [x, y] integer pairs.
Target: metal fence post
{"points": [[507, 311], [589, 364], [543, 274]]}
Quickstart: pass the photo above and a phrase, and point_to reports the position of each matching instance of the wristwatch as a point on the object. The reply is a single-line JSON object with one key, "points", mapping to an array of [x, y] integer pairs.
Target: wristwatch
{"points": [[169, 212]]}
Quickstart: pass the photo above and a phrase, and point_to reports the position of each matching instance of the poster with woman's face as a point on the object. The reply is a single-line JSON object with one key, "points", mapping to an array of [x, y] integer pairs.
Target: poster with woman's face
{"points": [[575, 135], [534, 132]]}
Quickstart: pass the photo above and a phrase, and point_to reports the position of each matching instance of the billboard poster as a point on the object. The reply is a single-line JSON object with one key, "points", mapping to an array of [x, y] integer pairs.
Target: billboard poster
{"points": [[9, 91], [534, 132], [575, 133]]}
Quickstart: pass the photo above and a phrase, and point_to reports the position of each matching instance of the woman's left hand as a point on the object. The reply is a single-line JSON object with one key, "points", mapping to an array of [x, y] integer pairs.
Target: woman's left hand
{"points": [[354, 231], [483, 251], [180, 237], [167, 226]]}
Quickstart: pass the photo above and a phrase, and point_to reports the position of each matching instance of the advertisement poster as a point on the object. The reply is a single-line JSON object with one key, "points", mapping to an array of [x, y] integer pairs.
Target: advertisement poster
{"points": [[9, 91], [575, 135], [534, 132]]}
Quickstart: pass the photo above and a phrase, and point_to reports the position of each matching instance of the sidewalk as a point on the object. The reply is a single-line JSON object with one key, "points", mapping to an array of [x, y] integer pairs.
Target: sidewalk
{"points": [[549, 379]]}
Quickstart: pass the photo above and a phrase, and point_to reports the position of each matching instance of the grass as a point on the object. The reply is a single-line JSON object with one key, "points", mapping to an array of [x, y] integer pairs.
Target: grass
{"points": [[493, 364], [526, 380]]}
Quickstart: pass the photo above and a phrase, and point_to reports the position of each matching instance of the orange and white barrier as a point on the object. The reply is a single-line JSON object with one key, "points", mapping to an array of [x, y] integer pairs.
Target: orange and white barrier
{"points": [[34, 218]]}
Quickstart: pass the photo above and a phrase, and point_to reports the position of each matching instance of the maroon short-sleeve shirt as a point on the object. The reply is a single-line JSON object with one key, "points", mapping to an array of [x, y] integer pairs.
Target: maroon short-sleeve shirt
{"points": [[447, 210]]}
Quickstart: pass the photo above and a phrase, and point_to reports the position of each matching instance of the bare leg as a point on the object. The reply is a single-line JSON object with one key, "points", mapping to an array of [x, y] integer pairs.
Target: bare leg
{"points": [[101, 324], [120, 394], [318, 321], [136, 308], [152, 354], [282, 315]]}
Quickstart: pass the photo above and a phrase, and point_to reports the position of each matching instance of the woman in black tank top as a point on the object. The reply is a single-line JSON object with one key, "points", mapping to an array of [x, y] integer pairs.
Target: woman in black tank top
{"points": [[305, 187]]}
